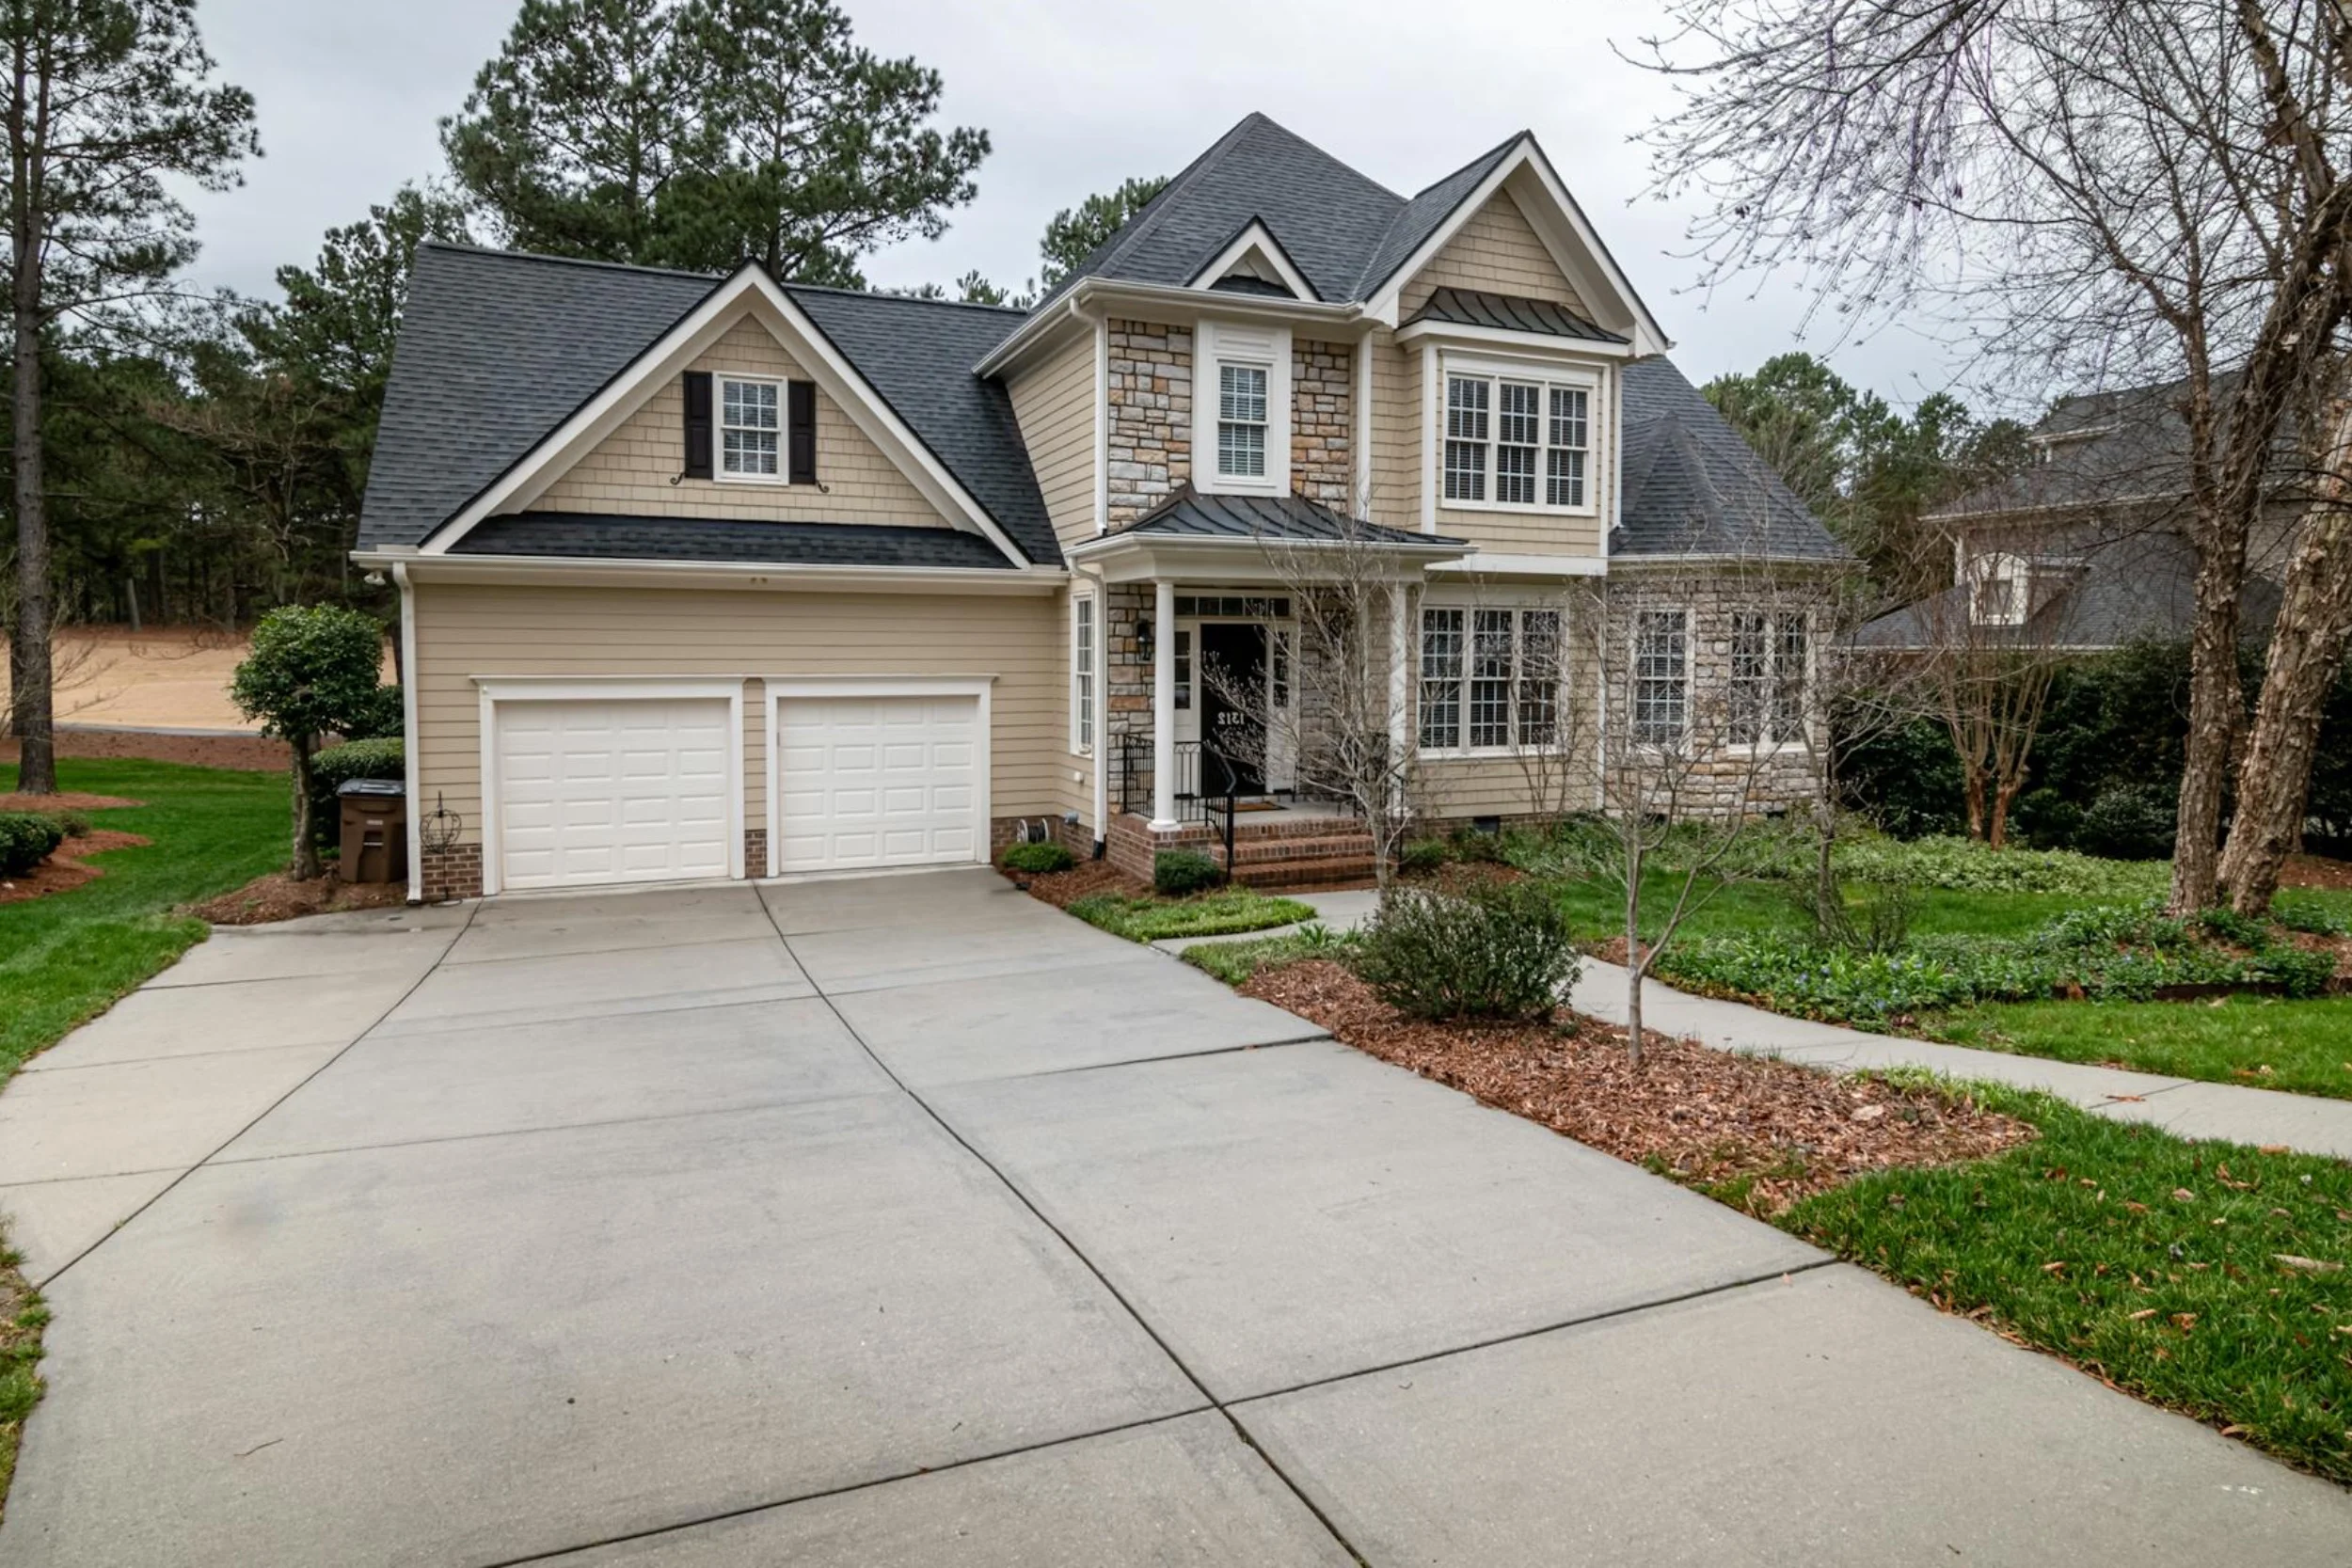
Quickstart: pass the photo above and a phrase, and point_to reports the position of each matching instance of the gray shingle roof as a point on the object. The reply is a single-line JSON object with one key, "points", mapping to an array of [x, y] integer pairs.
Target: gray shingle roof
{"points": [[1190, 515], [1510, 313], [497, 349], [1693, 487], [1345, 231], [575, 535]]}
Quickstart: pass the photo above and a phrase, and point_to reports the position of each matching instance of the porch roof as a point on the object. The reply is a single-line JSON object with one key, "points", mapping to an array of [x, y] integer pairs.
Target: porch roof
{"points": [[1190, 515]]}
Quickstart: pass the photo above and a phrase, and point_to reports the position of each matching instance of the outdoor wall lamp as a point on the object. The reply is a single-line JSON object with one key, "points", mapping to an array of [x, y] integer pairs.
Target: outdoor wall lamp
{"points": [[1143, 639]]}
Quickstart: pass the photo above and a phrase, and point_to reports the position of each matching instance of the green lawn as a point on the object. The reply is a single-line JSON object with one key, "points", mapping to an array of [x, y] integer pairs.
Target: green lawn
{"points": [[1210, 914], [2207, 1277], [2270, 1043], [66, 958]]}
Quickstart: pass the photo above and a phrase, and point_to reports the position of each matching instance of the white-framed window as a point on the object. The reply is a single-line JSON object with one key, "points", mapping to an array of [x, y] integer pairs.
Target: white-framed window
{"points": [[1082, 636], [1241, 421], [1768, 675], [1490, 679], [1997, 588], [1661, 676], [751, 428], [1517, 441]]}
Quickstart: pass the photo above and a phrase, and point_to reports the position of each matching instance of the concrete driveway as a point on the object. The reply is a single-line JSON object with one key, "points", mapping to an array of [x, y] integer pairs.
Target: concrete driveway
{"points": [[907, 1221]]}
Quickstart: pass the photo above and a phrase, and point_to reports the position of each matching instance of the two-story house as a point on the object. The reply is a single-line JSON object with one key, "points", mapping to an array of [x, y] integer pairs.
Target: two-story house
{"points": [[709, 577]]}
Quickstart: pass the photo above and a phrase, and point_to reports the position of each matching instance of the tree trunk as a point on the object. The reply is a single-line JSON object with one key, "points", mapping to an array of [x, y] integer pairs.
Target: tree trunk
{"points": [[306, 851], [33, 705], [2004, 795], [2306, 651], [2215, 708], [1972, 789], [1633, 965]]}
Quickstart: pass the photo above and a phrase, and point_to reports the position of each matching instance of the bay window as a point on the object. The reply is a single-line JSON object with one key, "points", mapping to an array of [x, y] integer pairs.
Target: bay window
{"points": [[1490, 679], [1767, 670], [1512, 441], [1661, 676]]}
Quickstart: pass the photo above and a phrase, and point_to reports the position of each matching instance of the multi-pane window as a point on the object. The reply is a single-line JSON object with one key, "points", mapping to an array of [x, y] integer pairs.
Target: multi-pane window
{"points": [[1489, 678], [1466, 403], [1082, 675], [1184, 667], [748, 427], [1441, 679], [1538, 444], [1768, 659], [1661, 676], [1570, 443], [1241, 421]]}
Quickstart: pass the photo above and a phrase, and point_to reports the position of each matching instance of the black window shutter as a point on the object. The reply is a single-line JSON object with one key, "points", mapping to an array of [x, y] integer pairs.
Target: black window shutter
{"points": [[698, 424], [800, 430]]}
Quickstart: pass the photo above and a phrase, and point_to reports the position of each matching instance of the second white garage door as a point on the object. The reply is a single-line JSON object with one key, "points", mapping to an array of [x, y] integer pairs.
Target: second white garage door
{"points": [[879, 781]]}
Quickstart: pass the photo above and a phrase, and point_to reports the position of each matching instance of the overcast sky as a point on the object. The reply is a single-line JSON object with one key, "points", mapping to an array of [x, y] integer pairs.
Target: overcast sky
{"points": [[1076, 97]]}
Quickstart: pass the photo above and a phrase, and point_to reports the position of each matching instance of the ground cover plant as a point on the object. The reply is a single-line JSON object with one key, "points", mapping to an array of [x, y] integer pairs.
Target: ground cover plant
{"points": [[22, 1319], [1217, 914], [66, 956], [1036, 859]]}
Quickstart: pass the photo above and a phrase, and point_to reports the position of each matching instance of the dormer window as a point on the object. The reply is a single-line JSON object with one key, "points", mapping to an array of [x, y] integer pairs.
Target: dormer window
{"points": [[1997, 589], [1517, 441]]}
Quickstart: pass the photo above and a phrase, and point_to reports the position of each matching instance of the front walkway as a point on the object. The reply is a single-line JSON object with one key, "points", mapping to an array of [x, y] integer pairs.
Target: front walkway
{"points": [[907, 1220]]}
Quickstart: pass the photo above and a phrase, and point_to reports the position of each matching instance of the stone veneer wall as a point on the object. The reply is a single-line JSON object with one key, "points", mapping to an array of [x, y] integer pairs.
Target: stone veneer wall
{"points": [[1127, 707], [1151, 416], [1323, 422]]}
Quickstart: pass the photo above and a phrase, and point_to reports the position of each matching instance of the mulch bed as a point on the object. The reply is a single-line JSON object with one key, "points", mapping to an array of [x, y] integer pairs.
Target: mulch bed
{"points": [[279, 896], [2316, 871], [63, 870], [63, 800], [251, 753], [1063, 888], [1762, 1133]]}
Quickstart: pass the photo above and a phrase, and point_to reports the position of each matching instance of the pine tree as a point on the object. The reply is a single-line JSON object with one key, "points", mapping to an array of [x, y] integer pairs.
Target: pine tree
{"points": [[1074, 232], [105, 100]]}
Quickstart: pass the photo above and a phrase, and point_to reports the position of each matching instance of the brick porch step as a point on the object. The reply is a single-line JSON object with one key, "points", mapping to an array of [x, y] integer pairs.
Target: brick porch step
{"points": [[1273, 851], [1335, 871]]}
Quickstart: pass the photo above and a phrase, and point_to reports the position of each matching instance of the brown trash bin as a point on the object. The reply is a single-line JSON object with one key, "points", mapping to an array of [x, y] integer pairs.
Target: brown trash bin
{"points": [[374, 829]]}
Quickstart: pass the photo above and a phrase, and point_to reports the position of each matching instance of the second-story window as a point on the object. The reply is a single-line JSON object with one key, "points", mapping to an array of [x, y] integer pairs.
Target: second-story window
{"points": [[1241, 421], [1517, 443], [750, 427]]}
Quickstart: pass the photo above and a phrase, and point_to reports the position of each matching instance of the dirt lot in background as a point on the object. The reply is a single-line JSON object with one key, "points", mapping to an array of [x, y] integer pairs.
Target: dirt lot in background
{"points": [[167, 678]]}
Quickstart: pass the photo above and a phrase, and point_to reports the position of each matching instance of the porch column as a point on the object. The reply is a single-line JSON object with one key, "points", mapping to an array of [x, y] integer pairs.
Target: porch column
{"points": [[1399, 669], [1163, 704]]}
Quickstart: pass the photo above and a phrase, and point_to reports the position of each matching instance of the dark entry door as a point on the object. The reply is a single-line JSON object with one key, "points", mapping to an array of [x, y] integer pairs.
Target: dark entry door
{"points": [[1233, 658]]}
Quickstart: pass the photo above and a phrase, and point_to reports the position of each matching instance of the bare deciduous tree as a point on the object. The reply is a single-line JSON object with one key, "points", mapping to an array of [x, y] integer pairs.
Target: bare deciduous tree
{"points": [[2084, 187]]}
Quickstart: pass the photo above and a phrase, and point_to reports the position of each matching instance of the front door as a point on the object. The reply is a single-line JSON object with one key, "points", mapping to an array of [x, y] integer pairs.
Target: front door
{"points": [[1231, 657]]}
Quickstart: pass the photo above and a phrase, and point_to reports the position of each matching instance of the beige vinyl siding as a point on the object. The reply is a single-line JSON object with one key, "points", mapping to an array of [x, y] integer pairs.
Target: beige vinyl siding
{"points": [[464, 631], [1396, 426], [630, 473], [1054, 402], [1497, 251]]}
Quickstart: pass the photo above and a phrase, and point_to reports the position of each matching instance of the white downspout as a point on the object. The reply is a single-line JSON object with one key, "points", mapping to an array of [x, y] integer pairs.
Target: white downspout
{"points": [[1102, 712], [411, 778]]}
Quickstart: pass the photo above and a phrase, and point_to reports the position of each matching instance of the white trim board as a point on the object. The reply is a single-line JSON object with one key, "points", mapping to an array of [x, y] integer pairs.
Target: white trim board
{"points": [[494, 689], [1257, 240], [783, 689]]}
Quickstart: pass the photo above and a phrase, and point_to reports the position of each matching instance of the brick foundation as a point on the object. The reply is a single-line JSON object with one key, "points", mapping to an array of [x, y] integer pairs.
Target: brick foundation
{"points": [[452, 873], [755, 851]]}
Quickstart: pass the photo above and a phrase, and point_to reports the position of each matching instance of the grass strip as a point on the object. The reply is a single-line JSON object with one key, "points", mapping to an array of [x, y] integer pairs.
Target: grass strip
{"points": [[1209, 914]]}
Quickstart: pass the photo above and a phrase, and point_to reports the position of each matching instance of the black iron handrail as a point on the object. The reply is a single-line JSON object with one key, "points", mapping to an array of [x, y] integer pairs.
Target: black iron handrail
{"points": [[1196, 764]]}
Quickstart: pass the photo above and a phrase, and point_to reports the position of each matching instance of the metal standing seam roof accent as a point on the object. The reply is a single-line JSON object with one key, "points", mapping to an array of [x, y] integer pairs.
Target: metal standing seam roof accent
{"points": [[1191, 514], [594, 536], [1509, 313]]}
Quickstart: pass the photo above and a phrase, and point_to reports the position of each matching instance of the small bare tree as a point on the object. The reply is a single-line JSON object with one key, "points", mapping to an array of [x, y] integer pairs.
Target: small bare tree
{"points": [[1993, 646]]}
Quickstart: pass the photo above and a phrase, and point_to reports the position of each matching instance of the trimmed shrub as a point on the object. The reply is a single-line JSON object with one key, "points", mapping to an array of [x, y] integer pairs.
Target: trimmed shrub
{"points": [[378, 717], [1177, 873], [27, 839], [336, 765], [1036, 859], [1496, 950]]}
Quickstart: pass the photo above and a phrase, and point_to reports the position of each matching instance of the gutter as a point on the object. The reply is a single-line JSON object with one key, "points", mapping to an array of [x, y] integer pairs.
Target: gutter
{"points": [[1089, 294], [774, 575]]}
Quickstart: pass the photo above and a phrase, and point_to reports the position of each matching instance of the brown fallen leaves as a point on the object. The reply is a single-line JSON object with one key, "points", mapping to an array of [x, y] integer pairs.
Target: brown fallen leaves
{"points": [[1763, 1133], [278, 896]]}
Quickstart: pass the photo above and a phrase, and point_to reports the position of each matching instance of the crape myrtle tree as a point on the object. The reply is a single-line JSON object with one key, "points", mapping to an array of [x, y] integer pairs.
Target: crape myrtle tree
{"points": [[2089, 190], [314, 671], [107, 104], [703, 133]]}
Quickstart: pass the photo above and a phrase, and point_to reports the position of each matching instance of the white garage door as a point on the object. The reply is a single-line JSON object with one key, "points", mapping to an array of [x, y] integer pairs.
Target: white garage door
{"points": [[879, 780], [612, 790]]}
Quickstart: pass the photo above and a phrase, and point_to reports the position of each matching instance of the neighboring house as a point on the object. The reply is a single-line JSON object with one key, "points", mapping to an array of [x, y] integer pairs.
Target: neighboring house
{"points": [[2085, 548], [731, 577]]}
